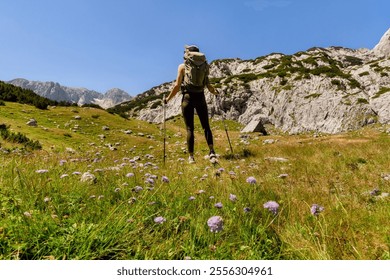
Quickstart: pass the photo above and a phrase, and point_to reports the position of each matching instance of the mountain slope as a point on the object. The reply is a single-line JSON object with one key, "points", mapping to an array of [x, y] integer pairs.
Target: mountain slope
{"points": [[326, 90]]}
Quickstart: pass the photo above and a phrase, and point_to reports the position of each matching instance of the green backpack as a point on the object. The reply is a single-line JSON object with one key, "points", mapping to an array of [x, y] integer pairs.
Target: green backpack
{"points": [[196, 70]]}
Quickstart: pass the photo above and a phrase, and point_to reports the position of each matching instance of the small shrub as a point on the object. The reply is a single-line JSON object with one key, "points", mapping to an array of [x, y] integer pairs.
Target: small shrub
{"points": [[18, 138], [362, 101], [381, 91], [352, 60], [354, 83], [314, 95], [246, 78]]}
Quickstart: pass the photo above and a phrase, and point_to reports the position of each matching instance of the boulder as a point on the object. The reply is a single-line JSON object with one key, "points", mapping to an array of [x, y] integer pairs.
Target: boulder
{"points": [[32, 122]]}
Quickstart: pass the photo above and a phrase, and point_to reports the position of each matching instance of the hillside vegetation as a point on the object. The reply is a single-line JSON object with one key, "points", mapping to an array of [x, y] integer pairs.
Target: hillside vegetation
{"points": [[98, 189]]}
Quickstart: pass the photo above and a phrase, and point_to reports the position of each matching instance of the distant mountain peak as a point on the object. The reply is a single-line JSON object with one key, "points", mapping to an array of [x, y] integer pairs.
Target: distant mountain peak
{"points": [[57, 92]]}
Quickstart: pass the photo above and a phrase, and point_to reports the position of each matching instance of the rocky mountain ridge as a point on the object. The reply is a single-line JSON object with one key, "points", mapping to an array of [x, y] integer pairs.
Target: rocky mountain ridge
{"points": [[57, 92], [328, 90]]}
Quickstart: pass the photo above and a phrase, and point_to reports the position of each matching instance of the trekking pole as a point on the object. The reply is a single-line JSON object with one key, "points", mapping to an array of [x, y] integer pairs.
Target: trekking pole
{"points": [[164, 132], [226, 130]]}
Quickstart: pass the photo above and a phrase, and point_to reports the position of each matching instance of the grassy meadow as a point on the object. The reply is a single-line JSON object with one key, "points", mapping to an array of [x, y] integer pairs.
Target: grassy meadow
{"points": [[98, 189]]}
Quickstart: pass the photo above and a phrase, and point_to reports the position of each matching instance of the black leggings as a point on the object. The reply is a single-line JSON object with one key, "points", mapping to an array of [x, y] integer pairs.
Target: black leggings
{"points": [[196, 101]]}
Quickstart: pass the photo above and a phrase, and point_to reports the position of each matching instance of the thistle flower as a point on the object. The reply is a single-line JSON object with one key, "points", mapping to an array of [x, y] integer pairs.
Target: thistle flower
{"points": [[218, 205], [150, 181], [138, 189], [165, 179], [233, 197], [215, 224], [272, 206], [316, 209], [251, 180], [159, 220], [375, 192]]}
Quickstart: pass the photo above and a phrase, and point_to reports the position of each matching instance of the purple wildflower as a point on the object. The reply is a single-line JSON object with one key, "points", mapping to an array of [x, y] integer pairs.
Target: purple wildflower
{"points": [[272, 206], [165, 179], [251, 180], [129, 175], [150, 181], [159, 220], [138, 189], [62, 162], [218, 205], [375, 192], [64, 176], [215, 224], [42, 171], [233, 197], [316, 209], [192, 198]]}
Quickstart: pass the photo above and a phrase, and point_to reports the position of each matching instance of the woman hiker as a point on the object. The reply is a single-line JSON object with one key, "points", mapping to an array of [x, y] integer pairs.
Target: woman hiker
{"points": [[192, 78]]}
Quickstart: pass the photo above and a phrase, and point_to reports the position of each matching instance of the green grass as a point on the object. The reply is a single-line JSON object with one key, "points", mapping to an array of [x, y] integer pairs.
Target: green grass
{"points": [[44, 216]]}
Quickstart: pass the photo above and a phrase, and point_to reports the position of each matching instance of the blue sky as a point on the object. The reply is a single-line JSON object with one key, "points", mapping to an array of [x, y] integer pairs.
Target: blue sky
{"points": [[137, 44]]}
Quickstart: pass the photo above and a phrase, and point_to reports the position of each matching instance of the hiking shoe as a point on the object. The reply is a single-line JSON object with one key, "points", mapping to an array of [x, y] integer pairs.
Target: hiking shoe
{"points": [[191, 160]]}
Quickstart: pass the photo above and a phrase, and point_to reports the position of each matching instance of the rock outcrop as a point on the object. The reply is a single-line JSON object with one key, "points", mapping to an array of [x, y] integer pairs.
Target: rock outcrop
{"points": [[383, 47]]}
